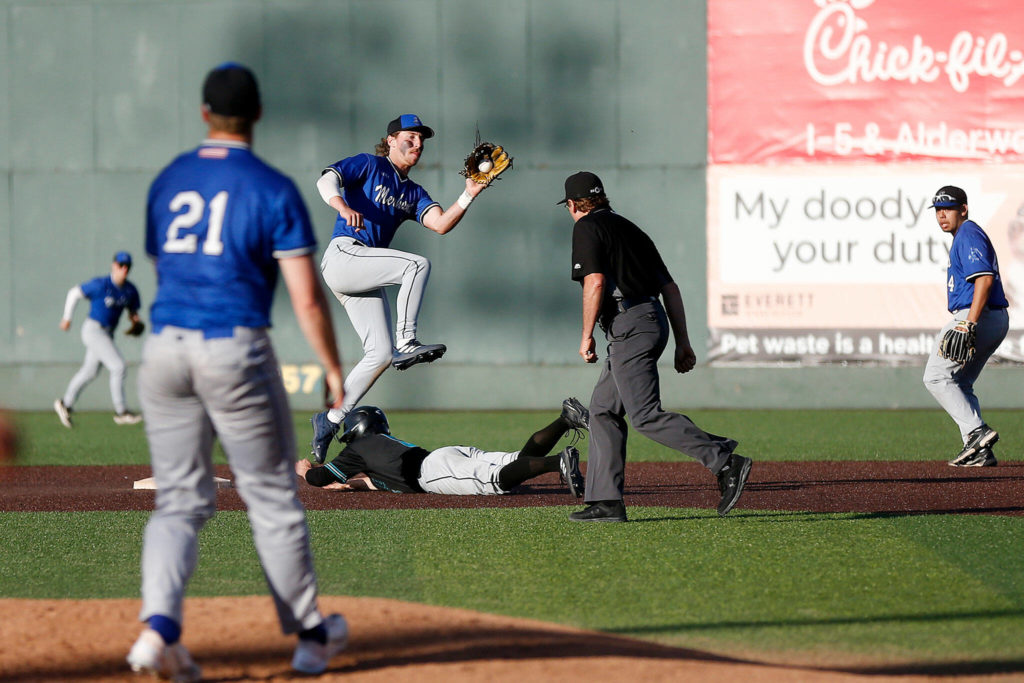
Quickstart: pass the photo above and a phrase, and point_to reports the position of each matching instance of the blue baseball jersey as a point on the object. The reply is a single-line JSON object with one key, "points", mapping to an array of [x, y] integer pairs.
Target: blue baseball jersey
{"points": [[217, 220], [373, 186], [970, 257], [107, 301]]}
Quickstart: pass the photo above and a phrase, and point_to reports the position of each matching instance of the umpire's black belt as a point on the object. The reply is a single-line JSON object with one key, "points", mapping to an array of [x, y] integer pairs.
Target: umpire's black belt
{"points": [[623, 305]]}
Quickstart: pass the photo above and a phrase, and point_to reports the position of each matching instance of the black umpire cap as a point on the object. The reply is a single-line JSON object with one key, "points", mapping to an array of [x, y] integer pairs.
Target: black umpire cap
{"points": [[231, 90], [947, 197], [582, 185]]}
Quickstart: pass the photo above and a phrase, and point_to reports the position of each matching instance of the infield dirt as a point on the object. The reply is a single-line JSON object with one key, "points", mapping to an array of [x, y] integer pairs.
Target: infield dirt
{"points": [[237, 639]]}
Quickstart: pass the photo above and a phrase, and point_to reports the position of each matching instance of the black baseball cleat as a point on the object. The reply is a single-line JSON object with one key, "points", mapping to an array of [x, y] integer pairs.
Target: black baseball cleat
{"points": [[983, 458], [569, 471], [731, 480], [982, 437], [575, 414], [412, 352], [601, 511]]}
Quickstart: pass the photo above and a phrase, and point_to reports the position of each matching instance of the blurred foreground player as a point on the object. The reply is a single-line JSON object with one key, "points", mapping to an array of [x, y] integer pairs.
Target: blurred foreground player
{"points": [[220, 225]]}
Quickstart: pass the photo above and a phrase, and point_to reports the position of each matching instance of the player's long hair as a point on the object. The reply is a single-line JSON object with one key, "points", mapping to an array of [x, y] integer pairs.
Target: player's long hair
{"points": [[382, 148], [588, 204]]}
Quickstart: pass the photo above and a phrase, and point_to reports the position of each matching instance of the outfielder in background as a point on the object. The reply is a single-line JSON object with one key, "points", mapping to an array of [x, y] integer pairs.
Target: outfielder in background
{"points": [[221, 224], [374, 460], [975, 297], [373, 196], [623, 275], [109, 296]]}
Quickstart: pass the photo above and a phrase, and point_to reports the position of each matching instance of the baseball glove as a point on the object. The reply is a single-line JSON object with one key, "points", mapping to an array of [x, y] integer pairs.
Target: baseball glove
{"points": [[486, 162], [957, 344], [136, 329]]}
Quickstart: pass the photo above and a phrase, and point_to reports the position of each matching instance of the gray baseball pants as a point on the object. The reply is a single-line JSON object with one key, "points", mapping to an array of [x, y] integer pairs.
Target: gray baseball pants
{"points": [[193, 389], [99, 350], [953, 385], [357, 274], [629, 385]]}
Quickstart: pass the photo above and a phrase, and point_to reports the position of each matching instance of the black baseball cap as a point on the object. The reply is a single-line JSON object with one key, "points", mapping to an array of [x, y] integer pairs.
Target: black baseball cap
{"points": [[582, 185], [410, 122], [947, 197], [231, 90], [123, 258]]}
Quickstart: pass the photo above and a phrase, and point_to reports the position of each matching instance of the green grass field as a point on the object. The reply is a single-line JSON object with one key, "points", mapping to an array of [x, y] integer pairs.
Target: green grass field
{"points": [[777, 586]]}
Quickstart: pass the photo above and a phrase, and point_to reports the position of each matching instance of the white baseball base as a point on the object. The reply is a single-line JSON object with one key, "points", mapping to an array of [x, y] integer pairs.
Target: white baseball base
{"points": [[150, 483]]}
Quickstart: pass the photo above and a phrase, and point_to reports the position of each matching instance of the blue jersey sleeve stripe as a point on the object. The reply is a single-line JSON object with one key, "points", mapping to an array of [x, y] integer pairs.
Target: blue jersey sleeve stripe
{"points": [[291, 253], [974, 276], [423, 213], [339, 475]]}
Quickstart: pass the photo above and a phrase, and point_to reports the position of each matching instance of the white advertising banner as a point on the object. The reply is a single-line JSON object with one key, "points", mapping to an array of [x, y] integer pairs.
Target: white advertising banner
{"points": [[831, 263]]}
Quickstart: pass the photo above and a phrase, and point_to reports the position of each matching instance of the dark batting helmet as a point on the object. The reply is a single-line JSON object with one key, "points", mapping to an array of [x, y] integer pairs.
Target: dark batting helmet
{"points": [[362, 421]]}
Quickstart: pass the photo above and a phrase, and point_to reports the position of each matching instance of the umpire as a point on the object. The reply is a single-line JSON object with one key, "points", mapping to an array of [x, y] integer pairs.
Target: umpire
{"points": [[623, 275]]}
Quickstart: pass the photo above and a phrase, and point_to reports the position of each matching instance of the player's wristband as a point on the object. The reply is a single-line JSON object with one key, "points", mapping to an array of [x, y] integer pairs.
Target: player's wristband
{"points": [[464, 200]]}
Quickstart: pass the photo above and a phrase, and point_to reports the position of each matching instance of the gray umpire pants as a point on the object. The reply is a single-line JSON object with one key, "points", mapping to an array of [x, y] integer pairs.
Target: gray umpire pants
{"points": [[193, 389], [953, 385], [629, 385], [99, 350]]}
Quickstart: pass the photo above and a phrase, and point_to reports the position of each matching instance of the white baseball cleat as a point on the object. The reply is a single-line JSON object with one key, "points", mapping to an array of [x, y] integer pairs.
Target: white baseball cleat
{"points": [[127, 418], [63, 412], [311, 657], [150, 654]]}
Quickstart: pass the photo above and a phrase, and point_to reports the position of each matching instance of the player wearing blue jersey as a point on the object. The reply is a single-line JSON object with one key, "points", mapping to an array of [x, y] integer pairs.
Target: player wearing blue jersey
{"points": [[975, 297], [220, 224], [373, 196], [109, 296]]}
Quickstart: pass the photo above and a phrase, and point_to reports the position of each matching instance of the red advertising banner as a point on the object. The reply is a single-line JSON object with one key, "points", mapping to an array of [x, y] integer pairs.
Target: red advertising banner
{"points": [[856, 80]]}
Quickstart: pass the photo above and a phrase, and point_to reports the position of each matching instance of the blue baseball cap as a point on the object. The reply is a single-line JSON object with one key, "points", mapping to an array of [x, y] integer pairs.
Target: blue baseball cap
{"points": [[948, 197], [123, 258], [410, 122]]}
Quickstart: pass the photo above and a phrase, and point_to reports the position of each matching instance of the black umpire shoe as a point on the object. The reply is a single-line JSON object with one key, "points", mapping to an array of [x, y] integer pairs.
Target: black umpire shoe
{"points": [[731, 479], [601, 511], [982, 437]]}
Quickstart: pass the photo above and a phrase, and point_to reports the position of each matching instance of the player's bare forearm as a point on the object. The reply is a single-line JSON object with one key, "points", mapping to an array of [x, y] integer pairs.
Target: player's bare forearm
{"points": [[314, 318], [982, 287], [593, 294], [443, 222]]}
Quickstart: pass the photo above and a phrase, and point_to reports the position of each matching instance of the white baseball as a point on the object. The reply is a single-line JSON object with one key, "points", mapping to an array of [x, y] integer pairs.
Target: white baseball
{"points": [[485, 166]]}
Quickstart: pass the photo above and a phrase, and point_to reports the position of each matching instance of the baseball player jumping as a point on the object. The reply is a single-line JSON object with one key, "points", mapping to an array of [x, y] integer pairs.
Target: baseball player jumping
{"points": [[373, 196], [109, 296], [221, 224], [377, 461]]}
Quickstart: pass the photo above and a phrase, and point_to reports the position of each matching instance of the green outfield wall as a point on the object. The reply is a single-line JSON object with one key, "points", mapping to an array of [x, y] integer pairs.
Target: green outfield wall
{"points": [[95, 97]]}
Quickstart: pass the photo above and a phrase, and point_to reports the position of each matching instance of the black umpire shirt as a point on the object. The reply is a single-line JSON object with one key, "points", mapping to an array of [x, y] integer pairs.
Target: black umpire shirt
{"points": [[605, 242], [392, 465]]}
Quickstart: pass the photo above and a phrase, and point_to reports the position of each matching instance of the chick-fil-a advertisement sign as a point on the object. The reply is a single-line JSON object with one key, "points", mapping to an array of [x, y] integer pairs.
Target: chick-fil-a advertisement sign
{"points": [[882, 80]]}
